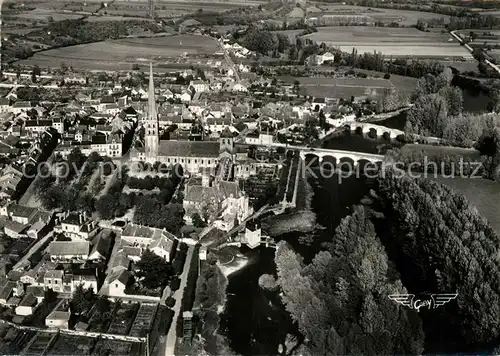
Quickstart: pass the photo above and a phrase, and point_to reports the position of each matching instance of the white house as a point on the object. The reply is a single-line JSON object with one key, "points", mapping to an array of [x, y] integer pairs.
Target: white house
{"points": [[199, 86], [69, 251], [58, 319], [118, 281], [27, 305], [240, 88]]}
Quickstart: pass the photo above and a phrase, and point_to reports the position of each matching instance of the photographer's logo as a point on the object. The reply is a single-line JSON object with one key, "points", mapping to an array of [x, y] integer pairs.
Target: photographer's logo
{"points": [[432, 302]]}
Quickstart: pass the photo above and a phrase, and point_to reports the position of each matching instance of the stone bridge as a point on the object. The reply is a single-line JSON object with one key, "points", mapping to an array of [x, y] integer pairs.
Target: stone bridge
{"points": [[379, 130], [356, 157]]}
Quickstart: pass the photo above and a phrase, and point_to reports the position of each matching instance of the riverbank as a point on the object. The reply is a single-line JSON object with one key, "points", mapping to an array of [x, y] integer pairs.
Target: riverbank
{"points": [[301, 219]]}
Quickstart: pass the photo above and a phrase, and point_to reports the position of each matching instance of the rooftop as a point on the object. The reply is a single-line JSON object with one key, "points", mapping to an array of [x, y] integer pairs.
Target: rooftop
{"points": [[204, 149]]}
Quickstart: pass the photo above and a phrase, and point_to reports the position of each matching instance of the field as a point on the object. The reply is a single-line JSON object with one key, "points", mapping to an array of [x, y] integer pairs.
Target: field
{"points": [[39, 344], [396, 42], [72, 345], [403, 17], [120, 54], [105, 347], [341, 87], [481, 193], [123, 319]]}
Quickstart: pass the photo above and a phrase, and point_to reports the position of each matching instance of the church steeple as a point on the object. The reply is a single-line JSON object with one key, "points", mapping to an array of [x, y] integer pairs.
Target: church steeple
{"points": [[151, 125]]}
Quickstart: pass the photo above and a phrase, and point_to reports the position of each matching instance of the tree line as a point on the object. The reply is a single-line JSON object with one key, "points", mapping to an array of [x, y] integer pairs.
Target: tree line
{"points": [[410, 236], [440, 243]]}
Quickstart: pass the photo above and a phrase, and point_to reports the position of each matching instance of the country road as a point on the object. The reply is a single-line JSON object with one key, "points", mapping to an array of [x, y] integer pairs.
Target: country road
{"points": [[471, 50]]}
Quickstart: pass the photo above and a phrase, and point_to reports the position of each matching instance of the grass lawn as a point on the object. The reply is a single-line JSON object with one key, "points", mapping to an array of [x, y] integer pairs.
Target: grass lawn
{"points": [[481, 193]]}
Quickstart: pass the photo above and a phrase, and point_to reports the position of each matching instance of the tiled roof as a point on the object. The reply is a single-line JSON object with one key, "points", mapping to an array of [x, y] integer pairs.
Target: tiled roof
{"points": [[209, 149], [58, 248]]}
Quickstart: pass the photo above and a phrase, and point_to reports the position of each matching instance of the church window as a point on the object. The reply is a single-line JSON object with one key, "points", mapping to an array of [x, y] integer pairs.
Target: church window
{"points": [[189, 161]]}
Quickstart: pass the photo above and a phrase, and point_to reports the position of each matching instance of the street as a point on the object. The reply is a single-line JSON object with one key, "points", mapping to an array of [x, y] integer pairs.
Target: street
{"points": [[172, 332]]}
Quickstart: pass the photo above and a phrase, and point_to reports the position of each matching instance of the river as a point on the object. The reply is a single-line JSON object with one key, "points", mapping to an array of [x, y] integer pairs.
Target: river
{"points": [[255, 321], [475, 101]]}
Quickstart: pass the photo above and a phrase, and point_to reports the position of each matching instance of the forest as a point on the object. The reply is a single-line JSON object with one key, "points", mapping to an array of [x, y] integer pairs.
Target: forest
{"points": [[408, 236]]}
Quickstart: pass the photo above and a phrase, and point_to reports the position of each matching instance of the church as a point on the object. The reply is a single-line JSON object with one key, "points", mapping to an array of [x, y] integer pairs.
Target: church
{"points": [[192, 155]]}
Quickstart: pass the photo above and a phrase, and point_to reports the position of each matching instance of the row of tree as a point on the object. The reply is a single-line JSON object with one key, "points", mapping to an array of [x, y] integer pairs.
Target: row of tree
{"points": [[339, 300], [442, 244]]}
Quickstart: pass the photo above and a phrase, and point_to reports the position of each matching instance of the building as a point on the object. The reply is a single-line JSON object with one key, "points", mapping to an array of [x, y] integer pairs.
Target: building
{"points": [[192, 155], [118, 281], [59, 317], [160, 242], [69, 251], [27, 305], [78, 226], [199, 86], [222, 202]]}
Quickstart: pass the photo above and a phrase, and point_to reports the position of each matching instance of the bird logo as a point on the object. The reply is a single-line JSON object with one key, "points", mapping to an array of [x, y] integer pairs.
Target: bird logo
{"points": [[432, 302]]}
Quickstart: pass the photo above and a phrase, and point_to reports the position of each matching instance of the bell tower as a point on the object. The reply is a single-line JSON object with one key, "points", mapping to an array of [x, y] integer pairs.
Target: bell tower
{"points": [[151, 125]]}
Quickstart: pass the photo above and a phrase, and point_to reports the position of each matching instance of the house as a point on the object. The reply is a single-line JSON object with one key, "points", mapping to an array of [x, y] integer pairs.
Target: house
{"points": [[87, 281], [161, 242], [6, 290], [199, 86], [318, 104], [15, 230], [240, 88], [53, 279], [163, 247], [4, 105], [27, 305], [58, 318], [20, 107], [78, 226], [252, 234], [101, 245], [185, 97], [37, 292], [69, 251], [118, 281]]}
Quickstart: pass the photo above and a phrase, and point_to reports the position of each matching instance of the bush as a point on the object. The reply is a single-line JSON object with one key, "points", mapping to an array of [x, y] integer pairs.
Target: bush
{"points": [[268, 282], [387, 76], [170, 302]]}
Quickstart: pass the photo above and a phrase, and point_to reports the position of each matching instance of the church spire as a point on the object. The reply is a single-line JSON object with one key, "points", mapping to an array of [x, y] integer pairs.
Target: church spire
{"points": [[151, 134], [151, 95]]}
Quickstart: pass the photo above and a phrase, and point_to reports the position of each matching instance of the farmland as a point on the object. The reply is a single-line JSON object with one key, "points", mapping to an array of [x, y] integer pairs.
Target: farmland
{"points": [[396, 42], [120, 54], [341, 87], [402, 17]]}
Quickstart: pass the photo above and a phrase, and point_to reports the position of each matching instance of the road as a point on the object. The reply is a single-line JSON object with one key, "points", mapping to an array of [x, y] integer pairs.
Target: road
{"points": [[469, 48], [33, 249], [172, 332]]}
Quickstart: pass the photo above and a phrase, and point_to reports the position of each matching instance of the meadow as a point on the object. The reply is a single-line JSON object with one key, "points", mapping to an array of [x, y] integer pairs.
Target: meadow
{"points": [[121, 54], [396, 42]]}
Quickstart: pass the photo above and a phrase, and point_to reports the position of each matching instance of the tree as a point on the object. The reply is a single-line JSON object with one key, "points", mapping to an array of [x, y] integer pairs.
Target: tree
{"points": [[332, 299], [296, 86], [454, 99], [434, 229], [494, 104], [261, 41], [198, 221], [82, 300], [428, 116], [153, 271]]}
